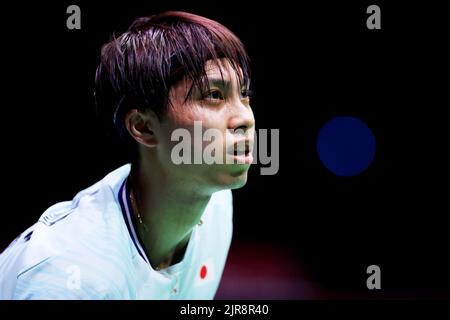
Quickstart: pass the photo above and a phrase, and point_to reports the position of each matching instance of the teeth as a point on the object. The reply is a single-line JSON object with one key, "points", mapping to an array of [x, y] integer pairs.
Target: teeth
{"points": [[240, 150]]}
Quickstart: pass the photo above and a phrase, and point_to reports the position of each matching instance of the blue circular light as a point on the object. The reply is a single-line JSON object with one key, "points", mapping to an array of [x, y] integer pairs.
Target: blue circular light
{"points": [[346, 146]]}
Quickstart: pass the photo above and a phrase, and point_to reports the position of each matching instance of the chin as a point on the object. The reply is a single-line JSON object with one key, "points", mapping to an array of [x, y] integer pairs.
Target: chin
{"points": [[235, 179], [239, 184]]}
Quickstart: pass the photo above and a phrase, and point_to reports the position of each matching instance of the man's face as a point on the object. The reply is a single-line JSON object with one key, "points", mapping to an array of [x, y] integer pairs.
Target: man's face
{"points": [[223, 113]]}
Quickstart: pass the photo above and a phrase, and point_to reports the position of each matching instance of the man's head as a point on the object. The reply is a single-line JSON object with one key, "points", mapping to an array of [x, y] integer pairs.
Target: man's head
{"points": [[168, 71]]}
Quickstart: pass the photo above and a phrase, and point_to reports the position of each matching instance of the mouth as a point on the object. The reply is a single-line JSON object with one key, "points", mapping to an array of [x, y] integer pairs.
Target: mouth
{"points": [[241, 152]]}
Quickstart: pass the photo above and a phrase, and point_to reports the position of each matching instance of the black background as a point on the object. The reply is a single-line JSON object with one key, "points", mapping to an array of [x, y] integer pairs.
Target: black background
{"points": [[310, 62]]}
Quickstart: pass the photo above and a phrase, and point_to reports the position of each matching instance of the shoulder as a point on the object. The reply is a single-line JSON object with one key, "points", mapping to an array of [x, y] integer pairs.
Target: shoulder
{"points": [[93, 219], [86, 237], [69, 276]]}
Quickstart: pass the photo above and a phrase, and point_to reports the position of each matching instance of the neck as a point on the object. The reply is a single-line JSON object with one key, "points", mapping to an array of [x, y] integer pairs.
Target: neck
{"points": [[169, 210]]}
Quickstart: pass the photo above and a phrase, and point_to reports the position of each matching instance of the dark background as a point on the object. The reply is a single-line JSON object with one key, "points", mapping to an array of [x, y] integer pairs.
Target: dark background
{"points": [[303, 233]]}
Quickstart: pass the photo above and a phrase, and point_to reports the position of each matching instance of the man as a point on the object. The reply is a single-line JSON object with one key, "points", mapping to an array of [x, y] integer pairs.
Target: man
{"points": [[154, 228]]}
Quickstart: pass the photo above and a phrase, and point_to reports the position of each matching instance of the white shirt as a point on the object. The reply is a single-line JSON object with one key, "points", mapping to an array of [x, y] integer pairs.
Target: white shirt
{"points": [[88, 248]]}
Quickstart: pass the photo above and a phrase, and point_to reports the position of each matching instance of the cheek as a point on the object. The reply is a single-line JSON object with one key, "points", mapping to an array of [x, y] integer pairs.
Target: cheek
{"points": [[205, 137], [181, 116], [177, 118], [186, 116]]}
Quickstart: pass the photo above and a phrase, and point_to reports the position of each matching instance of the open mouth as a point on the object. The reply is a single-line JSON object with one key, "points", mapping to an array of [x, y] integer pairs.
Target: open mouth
{"points": [[241, 150]]}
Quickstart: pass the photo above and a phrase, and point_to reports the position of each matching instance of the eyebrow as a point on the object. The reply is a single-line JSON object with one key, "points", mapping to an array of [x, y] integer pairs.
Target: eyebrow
{"points": [[219, 82], [224, 84]]}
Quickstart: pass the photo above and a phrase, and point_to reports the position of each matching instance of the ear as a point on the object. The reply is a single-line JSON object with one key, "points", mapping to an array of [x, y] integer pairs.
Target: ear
{"points": [[142, 126]]}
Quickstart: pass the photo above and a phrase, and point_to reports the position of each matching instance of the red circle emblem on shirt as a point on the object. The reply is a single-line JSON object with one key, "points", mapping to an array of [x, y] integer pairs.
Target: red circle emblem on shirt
{"points": [[203, 272]]}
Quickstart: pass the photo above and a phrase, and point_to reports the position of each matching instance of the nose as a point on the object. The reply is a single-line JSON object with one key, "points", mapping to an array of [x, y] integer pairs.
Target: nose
{"points": [[242, 118]]}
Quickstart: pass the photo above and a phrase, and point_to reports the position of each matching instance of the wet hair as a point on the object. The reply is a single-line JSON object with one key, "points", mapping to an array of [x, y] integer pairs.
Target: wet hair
{"points": [[138, 68]]}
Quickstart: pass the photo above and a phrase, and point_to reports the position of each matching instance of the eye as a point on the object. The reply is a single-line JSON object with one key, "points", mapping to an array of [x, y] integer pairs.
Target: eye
{"points": [[213, 95]]}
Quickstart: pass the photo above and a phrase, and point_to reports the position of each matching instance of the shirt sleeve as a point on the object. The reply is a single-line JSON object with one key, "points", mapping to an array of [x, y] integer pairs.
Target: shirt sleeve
{"points": [[59, 279]]}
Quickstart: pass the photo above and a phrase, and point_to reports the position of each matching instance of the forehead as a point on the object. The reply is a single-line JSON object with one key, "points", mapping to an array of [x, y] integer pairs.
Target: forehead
{"points": [[218, 69]]}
